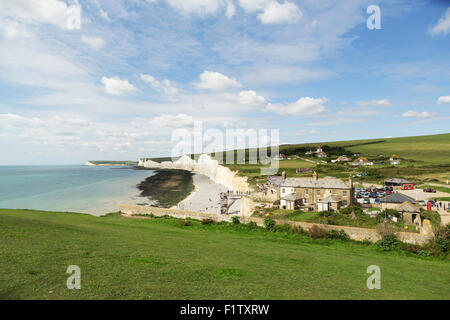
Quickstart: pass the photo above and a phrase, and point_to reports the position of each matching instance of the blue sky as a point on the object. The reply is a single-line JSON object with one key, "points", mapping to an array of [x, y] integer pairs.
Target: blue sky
{"points": [[117, 85]]}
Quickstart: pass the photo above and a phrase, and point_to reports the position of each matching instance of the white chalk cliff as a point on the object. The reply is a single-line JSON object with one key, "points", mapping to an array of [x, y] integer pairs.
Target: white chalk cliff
{"points": [[206, 166]]}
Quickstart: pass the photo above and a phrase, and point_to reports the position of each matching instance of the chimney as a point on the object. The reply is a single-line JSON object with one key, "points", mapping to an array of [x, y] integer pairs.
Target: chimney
{"points": [[315, 176], [350, 181], [283, 175]]}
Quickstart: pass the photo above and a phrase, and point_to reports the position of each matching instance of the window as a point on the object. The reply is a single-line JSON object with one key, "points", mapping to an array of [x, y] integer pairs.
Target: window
{"points": [[344, 193], [306, 191], [344, 202], [318, 192], [305, 201], [283, 190]]}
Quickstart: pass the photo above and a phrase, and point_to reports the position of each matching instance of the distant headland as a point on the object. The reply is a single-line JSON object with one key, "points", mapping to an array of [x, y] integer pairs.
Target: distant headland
{"points": [[110, 163]]}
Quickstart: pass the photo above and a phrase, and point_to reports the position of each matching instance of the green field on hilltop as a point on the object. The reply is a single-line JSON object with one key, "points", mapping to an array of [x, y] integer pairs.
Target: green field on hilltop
{"points": [[160, 258], [431, 149]]}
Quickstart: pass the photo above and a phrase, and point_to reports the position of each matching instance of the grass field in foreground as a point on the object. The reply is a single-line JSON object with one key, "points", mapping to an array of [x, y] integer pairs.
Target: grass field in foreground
{"points": [[124, 258]]}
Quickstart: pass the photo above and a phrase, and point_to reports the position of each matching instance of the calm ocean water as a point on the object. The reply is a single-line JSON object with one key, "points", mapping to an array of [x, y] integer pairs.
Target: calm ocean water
{"points": [[76, 188]]}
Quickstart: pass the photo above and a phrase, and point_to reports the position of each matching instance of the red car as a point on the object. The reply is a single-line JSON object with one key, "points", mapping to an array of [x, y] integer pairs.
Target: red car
{"points": [[429, 190], [407, 186]]}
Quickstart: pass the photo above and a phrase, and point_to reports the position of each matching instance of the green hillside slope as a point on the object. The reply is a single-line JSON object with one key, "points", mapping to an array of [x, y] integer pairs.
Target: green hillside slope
{"points": [[162, 259]]}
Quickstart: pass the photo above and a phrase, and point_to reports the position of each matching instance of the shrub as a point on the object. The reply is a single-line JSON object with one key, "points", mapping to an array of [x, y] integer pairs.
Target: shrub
{"points": [[235, 220], [269, 223], [442, 237], [298, 230], [252, 225], [386, 229], [207, 221], [325, 214], [335, 234], [317, 232], [349, 210], [276, 203], [282, 228], [388, 242], [366, 242], [185, 223], [410, 247]]}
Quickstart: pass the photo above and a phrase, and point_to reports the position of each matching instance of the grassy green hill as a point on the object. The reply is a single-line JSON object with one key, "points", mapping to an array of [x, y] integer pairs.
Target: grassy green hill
{"points": [[161, 259], [431, 149]]}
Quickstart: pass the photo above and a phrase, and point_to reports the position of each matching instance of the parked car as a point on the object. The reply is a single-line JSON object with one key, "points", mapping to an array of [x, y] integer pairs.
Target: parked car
{"points": [[432, 203], [366, 201], [377, 201], [429, 190], [407, 186], [422, 202]]}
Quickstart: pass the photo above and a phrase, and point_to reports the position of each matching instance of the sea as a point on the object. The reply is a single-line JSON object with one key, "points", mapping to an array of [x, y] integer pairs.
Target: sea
{"points": [[96, 190]]}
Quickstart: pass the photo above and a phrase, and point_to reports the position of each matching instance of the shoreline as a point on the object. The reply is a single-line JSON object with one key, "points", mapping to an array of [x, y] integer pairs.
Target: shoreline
{"points": [[167, 187]]}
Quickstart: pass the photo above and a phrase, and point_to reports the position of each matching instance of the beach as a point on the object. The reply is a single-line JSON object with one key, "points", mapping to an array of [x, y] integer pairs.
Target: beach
{"points": [[205, 197]]}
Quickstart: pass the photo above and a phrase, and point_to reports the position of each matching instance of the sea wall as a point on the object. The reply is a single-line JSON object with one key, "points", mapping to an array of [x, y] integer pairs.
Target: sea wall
{"points": [[205, 165], [354, 233]]}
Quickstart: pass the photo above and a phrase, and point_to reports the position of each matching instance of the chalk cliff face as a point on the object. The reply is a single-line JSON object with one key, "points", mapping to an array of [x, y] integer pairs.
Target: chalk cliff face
{"points": [[205, 165]]}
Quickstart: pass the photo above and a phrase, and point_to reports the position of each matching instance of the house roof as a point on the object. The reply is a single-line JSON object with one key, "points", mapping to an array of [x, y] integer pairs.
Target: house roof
{"points": [[397, 197], [408, 207], [308, 182], [274, 180], [291, 197], [397, 180]]}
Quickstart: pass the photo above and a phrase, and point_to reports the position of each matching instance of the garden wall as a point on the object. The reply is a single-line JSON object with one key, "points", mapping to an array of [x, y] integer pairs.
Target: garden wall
{"points": [[354, 233]]}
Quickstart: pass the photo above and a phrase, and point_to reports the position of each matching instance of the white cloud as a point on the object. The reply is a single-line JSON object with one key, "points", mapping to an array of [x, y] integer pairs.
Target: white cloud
{"points": [[165, 85], [216, 81], [250, 98], [231, 9], [53, 12], [276, 13], [443, 99], [254, 5], [199, 7], [173, 121], [380, 103], [116, 86], [303, 106], [105, 15], [443, 25], [93, 42], [416, 114]]}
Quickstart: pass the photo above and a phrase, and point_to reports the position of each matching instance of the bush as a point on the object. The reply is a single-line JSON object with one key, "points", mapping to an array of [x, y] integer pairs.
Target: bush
{"points": [[269, 223], [185, 223], [413, 248], [252, 225], [442, 237], [335, 234], [386, 229], [276, 203], [325, 214], [235, 220], [366, 242], [349, 210], [207, 221], [282, 228], [317, 232], [298, 230], [388, 242]]}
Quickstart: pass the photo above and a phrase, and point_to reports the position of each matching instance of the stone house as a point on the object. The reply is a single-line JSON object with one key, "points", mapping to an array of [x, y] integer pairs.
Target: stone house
{"points": [[362, 161], [314, 194], [395, 159]]}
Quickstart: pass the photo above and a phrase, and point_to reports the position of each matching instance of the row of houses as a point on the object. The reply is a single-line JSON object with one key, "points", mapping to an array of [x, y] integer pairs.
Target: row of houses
{"points": [[331, 194]]}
